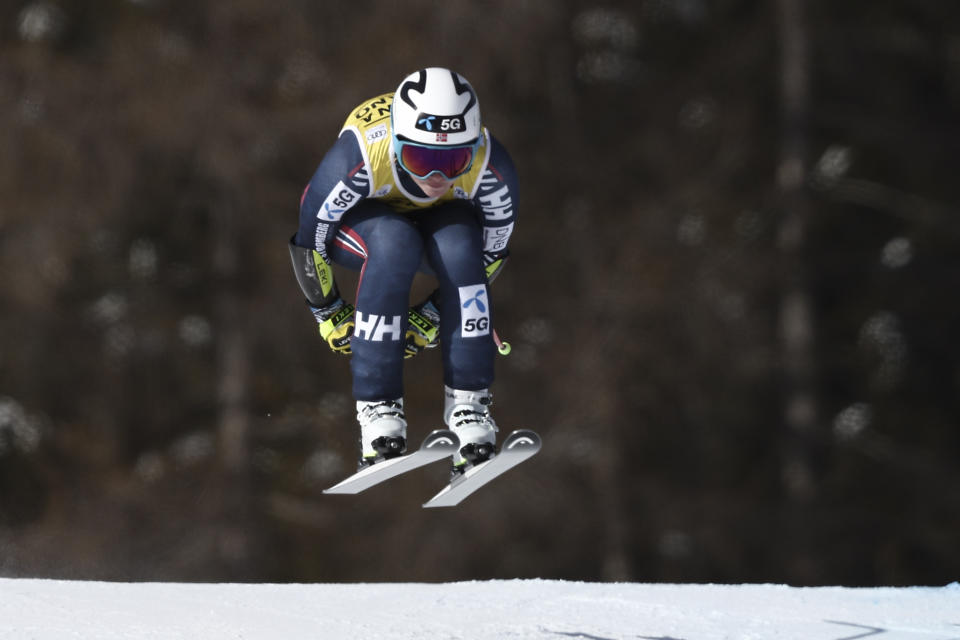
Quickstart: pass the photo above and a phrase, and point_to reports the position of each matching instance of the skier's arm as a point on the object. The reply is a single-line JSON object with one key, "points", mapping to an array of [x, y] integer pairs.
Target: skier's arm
{"points": [[497, 200], [340, 182], [333, 315], [337, 185]]}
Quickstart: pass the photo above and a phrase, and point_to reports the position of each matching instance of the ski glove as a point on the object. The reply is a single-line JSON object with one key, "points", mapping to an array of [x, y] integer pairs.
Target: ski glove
{"points": [[336, 325], [423, 328]]}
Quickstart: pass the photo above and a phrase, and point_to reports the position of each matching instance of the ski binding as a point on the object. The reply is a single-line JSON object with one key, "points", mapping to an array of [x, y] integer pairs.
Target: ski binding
{"points": [[519, 445], [439, 444]]}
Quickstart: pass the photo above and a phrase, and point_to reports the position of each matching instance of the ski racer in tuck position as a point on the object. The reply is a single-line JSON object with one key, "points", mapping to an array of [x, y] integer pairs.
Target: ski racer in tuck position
{"points": [[414, 183]]}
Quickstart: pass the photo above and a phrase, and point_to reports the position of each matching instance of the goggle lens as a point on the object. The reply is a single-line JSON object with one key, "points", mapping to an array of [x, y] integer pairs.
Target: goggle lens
{"points": [[422, 161]]}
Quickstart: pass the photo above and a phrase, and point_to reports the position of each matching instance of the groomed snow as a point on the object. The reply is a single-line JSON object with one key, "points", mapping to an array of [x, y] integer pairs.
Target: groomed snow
{"points": [[542, 609]]}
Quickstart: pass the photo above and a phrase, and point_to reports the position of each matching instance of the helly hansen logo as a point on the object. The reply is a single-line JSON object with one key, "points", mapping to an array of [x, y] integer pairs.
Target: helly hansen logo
{"points": [[376, 328], [496, 205]]}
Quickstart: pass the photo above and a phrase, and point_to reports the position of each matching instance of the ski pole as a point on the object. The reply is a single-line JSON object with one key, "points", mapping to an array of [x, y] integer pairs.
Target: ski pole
{"points": [[503, 347]]}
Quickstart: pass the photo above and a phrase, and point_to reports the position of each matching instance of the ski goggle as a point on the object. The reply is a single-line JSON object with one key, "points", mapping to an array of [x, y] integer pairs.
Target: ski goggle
{"points": [[423, 160]]}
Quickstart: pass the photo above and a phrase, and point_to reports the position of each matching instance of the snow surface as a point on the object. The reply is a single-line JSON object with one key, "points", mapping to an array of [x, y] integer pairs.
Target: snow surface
{"points": [[542, 609]]}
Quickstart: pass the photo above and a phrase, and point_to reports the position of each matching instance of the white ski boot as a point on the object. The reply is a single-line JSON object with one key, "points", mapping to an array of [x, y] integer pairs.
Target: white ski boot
{"points": [[383, 430], [467, 414]]}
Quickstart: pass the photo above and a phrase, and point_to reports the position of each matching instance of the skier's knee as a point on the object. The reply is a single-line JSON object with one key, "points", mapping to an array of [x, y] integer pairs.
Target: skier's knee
{"points": [[397, 244]]}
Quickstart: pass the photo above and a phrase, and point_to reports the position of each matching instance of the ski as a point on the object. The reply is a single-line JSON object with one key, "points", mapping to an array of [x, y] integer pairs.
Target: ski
{"points": [[518, 446], [436, 446]]}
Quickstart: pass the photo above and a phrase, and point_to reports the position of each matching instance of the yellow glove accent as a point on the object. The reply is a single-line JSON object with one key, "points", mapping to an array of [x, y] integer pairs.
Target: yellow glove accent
{"points": [[493, 268], [421, 334], [338, 328]]}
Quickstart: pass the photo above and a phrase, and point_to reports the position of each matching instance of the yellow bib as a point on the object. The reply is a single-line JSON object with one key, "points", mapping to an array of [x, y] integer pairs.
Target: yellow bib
{"points": [[370, 123]]}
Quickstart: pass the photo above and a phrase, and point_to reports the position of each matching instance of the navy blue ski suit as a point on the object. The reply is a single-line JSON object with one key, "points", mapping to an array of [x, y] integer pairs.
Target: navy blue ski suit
{"points": [[363, 212]]}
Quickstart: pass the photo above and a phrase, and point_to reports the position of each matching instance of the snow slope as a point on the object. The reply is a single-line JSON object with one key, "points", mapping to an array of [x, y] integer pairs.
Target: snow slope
{"points": [[55, 610]]}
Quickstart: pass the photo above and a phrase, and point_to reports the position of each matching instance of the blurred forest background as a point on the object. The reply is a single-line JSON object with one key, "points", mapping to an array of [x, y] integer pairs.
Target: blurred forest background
{"points": [[733, 297]]}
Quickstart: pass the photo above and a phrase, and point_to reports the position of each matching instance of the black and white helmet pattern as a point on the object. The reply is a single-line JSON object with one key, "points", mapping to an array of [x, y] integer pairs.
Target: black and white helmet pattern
{"points": [[436, 106]]}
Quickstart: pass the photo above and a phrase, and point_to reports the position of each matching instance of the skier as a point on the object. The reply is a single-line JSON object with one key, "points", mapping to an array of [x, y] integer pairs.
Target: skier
{"points": [[414, 183]]}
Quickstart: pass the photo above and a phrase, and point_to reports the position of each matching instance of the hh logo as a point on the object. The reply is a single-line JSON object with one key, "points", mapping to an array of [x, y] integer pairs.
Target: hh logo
{"points": [[376, 328], [496, 205], [474, 311]]}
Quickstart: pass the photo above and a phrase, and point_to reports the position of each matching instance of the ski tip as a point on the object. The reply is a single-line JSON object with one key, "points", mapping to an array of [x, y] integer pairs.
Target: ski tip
{"points": [[441, 438], [522, 438]]}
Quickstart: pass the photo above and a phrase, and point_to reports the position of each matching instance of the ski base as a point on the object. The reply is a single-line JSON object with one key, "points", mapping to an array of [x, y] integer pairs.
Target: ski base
{"points": [[439, 444], [519, 445]]}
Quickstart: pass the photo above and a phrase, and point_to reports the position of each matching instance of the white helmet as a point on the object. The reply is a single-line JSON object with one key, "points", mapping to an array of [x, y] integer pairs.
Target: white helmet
{"points": [[437, 107]]}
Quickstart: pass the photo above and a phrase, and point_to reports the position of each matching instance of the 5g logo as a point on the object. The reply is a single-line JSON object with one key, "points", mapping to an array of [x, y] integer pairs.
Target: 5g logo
{"points": [[474, 311], [344, 198], [446, 124], [340, 198], [451, 124], [480, 327]]}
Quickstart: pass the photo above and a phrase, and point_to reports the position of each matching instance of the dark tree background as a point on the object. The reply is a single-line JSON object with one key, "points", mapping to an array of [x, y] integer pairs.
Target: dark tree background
{"points": [[733, 297]]}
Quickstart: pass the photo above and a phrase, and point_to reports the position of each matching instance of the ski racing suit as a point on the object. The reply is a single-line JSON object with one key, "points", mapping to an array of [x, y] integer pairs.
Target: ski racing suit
{"points": [[363, 212]]}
